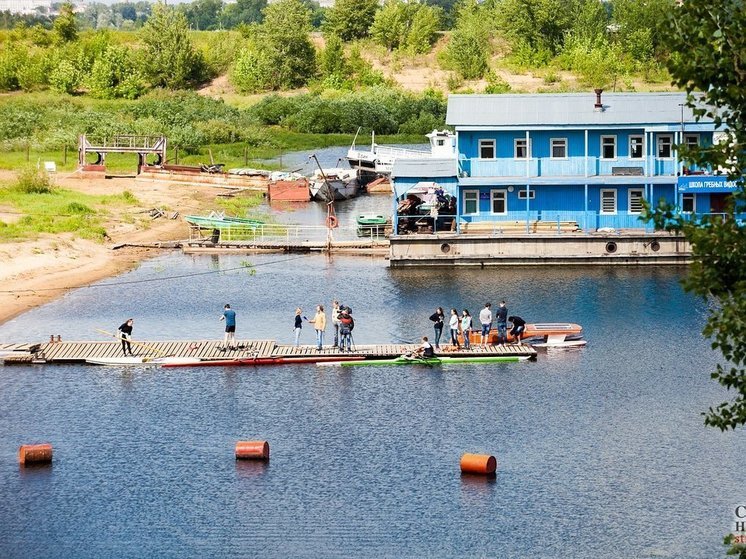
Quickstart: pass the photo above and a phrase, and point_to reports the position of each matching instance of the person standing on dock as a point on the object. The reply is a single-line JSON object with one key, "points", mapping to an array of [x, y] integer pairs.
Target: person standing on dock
{"points": [[438, 319], [319, 323], [229, 340], [125, 334], [346, 325], [466, 324], [453, 324], [298, 326], [336, 310], [485, 319], [502, 323], [519, 326]]}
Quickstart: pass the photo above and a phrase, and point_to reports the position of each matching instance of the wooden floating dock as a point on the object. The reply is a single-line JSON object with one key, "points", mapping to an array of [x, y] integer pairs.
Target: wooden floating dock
{"points": [[208, 350]]}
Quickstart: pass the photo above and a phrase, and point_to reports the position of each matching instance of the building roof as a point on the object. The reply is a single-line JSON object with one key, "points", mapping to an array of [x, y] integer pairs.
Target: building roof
{"points": [[429, 167], [567, 109]]}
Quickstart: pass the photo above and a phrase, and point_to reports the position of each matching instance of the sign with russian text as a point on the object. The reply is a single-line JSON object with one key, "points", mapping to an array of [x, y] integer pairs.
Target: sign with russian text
{"points": [[705, 184]]}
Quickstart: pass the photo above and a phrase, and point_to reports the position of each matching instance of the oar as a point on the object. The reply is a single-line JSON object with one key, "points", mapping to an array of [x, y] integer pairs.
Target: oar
{"points": [[140, 344]]}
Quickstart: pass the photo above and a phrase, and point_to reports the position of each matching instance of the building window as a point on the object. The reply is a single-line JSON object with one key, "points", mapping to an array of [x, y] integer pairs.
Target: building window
{"points": [[522, 194], [608, 201], [499, 202], [691, 140], [635, 200], [471, 202], [636, 147], [441, 142], [486, 149], [608, 147], [665, 142], [520, 151], [688, 203], [559, 148]]}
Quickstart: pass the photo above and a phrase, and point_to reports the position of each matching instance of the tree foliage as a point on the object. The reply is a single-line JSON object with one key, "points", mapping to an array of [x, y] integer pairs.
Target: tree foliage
{"points": [[350, 19], [203, 14], [242, 12], [278, 53], [407, 25], [115, 75], [707, 41], [468, 49], [170, 58], [65, 27]]}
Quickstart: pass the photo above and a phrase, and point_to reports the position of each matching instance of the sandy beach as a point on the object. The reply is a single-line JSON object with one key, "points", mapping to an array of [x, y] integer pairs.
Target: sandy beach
{"points": [[37, 271]]}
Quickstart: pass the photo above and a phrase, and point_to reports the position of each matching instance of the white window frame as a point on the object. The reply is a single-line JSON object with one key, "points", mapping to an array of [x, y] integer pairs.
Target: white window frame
{"points": [[642, 146], [658, 144], [551, 148], [694, 203], [515, 149], [464, 200], [504, 193], [522, 194], [689, 136], [629, 200], [601, 153], [601, 201], [485, 142]]}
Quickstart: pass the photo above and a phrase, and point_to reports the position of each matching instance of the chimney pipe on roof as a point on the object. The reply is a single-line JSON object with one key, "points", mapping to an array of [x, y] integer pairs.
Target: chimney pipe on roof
{"points": [[598, 106]]}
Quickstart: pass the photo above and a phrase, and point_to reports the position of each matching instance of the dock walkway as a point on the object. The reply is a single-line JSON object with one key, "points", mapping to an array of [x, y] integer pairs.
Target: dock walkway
{"points": [[79, 351]]}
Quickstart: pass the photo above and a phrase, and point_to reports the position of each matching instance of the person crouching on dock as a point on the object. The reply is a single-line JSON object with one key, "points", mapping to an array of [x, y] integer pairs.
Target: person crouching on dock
{"points": [[519, 327]]}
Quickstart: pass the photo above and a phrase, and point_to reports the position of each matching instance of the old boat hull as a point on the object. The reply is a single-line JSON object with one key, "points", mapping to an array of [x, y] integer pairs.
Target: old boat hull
{"points": [[335, 184], [541, 332]]}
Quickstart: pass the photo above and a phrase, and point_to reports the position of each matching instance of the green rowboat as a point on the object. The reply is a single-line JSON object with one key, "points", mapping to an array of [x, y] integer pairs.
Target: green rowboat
{"points": [[428, 361], [220, 221]]}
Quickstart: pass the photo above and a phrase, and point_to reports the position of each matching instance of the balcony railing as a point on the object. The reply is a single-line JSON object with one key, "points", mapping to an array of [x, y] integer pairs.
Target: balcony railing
{"points": [[569, 167]]}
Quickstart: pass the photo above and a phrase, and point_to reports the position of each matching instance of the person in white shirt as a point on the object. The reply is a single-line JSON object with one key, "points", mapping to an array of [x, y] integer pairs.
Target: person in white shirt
{"points": [[485, 318], [453, 323]]}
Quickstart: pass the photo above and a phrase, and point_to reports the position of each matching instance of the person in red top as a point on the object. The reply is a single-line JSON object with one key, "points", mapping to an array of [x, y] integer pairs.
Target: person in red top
{"points": [[346, 324]]}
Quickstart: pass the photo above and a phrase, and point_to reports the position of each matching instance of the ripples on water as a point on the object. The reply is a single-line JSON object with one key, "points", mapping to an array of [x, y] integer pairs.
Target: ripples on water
{"points": [[601, 451]]}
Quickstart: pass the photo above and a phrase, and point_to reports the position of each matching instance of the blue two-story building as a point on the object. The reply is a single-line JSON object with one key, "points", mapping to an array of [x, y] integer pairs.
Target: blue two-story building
{"points": [[584, 159]]}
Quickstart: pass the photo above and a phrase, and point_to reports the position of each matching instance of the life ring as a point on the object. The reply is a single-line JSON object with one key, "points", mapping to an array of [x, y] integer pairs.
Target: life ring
{"points": [[331, 222]]}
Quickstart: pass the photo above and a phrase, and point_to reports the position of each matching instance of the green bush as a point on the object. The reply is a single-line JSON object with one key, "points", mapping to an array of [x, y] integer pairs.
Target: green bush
{"points": [[115, 75], [64, 78], [33, 181], [496, 84]]}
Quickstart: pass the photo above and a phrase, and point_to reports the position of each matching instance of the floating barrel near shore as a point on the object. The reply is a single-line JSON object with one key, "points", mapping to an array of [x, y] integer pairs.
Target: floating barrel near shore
{"points": [[482, 464], [35, 454], [252, 450]]}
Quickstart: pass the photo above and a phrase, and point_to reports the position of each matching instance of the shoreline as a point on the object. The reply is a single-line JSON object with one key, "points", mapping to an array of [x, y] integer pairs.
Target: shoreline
{"points": [[36, 272]]}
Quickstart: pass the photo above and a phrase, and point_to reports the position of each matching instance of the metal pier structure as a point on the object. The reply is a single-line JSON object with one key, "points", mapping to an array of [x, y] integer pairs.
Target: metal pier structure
{"points": [[207, 350]]}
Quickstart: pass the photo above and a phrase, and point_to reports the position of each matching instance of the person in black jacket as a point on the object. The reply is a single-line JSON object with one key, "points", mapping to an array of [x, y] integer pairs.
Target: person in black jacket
{"points": [[125, 334], [438, 318], [519, 327], [501, 317]]}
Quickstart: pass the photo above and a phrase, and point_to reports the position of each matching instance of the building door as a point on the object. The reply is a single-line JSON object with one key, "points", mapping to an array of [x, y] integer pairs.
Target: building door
{"points": [[718, 203]]}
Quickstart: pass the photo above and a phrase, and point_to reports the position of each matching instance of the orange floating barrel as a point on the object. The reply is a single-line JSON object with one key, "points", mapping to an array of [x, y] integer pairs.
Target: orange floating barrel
{"points": [[35, 453], [252, 450], [478, 464]]}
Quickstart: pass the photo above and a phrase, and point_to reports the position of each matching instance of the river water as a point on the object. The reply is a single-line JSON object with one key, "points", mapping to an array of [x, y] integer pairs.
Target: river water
{"points": [[601, 451]]}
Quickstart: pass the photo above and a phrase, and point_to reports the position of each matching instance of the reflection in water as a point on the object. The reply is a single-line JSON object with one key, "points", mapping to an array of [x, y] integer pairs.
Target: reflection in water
{"points": [[590, 442]]}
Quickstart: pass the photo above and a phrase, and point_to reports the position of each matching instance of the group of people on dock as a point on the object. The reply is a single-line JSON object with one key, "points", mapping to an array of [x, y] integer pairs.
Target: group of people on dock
{"points": [[342, 322], [463, 325]]}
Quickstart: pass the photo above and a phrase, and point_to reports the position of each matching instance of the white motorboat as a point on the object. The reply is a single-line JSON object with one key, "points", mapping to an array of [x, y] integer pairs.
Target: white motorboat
{"points": [[379, 160], [334, 184]]}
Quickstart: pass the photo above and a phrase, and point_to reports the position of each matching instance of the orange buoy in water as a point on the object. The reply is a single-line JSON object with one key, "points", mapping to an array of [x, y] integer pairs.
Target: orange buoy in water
{"points": [[478, 464], [252, 450], [35, 453]]}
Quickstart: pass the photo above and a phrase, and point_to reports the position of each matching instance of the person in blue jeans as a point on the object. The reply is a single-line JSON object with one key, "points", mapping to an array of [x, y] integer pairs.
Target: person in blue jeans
{"points": [[438, 318], [501, 317], [466, 324], [485, 319]]}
